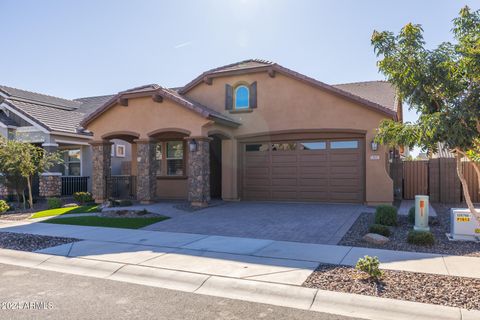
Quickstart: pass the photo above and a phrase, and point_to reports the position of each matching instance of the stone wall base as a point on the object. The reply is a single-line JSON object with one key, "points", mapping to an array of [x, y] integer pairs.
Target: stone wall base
{"points": [[50, 185]]}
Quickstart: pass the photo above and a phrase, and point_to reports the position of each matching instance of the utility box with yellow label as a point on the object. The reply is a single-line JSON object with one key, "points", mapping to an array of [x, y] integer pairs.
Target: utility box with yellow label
{"points": [[463, 225]]}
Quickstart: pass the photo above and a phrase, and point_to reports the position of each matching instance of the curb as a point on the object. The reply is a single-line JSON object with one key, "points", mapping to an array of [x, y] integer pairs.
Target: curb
{"points": [[345, 304]]}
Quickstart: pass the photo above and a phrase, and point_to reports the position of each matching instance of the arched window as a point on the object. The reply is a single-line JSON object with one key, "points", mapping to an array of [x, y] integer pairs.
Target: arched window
{"points": [[242, 97]]}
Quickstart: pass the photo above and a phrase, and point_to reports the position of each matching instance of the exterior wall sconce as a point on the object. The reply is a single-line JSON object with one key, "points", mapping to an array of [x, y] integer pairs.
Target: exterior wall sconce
{"points": [[192, 145], [374, 146]]}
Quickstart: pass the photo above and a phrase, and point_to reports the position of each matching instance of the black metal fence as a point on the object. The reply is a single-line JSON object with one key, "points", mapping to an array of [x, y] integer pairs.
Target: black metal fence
{"points": [[121, 187], [70, 185]]}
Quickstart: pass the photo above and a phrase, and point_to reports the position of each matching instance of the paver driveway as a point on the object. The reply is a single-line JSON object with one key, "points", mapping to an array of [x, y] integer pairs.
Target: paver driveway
{"points": [[302, 222]]}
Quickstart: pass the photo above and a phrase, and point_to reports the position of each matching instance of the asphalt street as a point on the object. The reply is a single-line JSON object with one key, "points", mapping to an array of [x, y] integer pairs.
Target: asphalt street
{"points": [[36, 294]]}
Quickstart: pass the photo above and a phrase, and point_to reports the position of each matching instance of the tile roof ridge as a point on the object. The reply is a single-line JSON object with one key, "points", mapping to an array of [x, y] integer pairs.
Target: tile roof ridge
{"points": [[358, 82], [29, 91], [42, 103]]}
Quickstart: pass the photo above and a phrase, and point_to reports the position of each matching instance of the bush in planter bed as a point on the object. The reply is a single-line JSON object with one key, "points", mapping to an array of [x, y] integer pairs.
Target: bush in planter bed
{"points": [[54, 203], [4, 207], [421, 238], [371, 266], [82, 197], [379, 229], [386, 215], [411, 215]]}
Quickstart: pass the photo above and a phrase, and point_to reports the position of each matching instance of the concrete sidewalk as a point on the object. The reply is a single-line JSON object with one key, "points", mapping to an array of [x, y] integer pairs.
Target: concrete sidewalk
{"points": [[269, 258]]}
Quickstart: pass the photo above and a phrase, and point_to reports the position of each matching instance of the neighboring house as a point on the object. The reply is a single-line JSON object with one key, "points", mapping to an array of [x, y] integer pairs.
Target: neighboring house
{"points": [[251, 130], [53, 123]]}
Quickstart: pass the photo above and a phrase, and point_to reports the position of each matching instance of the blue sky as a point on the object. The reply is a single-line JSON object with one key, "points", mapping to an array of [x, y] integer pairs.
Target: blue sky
{"points": [[84, 48]]}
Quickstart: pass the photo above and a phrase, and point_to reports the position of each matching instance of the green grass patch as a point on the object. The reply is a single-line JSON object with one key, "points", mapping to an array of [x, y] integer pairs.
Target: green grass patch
{"points": [[60, 211], [95, 221]]}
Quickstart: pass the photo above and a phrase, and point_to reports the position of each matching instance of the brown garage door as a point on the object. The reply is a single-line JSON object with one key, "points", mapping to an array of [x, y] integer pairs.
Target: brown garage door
{"points": [[320, 170]]}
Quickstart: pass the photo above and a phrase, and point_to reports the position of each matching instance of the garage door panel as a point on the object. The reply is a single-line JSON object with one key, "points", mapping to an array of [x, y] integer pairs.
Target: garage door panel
{"points": [[315, 158], [250, 182], [255, 160], [317, 171], [284, 170], [345, 197], [257, 172], [323, 174], [284, 182], [353, 170], [320, 182], [284, 158], [348, 158], [313, 195], [284, 195]]}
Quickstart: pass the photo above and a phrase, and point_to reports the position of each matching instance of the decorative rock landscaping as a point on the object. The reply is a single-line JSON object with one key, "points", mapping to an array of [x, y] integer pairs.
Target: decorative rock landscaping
{"points": [[439, 226], [375, 238], [30, 242], [419, 287]]}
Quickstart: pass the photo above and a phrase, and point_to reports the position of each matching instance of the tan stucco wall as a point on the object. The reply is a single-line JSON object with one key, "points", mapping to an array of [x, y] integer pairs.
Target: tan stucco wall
{"points": [[143, 115], [288, 104]]}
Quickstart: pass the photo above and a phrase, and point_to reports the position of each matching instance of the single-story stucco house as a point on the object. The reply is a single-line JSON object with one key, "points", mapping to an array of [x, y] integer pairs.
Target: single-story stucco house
{"points": [[251, 130]]}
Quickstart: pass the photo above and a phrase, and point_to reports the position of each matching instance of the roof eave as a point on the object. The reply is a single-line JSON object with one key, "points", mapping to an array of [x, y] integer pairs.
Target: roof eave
{"points": [[224, 122]]}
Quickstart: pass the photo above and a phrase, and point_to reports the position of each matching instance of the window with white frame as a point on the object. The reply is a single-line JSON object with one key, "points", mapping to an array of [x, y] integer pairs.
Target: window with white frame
{"points": [[120, 150], [71, 162]]}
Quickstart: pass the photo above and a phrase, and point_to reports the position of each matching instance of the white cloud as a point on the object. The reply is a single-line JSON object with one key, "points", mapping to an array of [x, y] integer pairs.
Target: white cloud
{"points": [[183, 44]]}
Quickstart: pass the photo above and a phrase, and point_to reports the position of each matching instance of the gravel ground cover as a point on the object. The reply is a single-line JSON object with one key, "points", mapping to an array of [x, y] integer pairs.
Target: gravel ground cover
{"points": [[398, 239], [30, 242], [15, 216], [418, 287]]}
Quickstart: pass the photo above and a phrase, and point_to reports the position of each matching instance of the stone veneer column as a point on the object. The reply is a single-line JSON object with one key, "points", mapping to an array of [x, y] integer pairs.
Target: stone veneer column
{"points": [[199, 172], [101, 169], [50, 183], [146, 170]]}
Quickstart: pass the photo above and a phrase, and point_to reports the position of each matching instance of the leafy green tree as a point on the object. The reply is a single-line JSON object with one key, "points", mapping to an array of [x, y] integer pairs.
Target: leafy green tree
{"points": [[441, 84], [23, 159]]}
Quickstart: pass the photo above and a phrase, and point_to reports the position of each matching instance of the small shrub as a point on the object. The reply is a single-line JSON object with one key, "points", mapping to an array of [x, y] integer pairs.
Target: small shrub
{"points": [[411, 215], [421, 238], [386, 215], [4, 207], [54, 203], [379, 229], [82, 197], [369, 265]]}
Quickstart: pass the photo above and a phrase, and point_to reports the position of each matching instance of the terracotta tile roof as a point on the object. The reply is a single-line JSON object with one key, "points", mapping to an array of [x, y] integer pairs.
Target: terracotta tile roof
{"points": [[380, 92]]}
